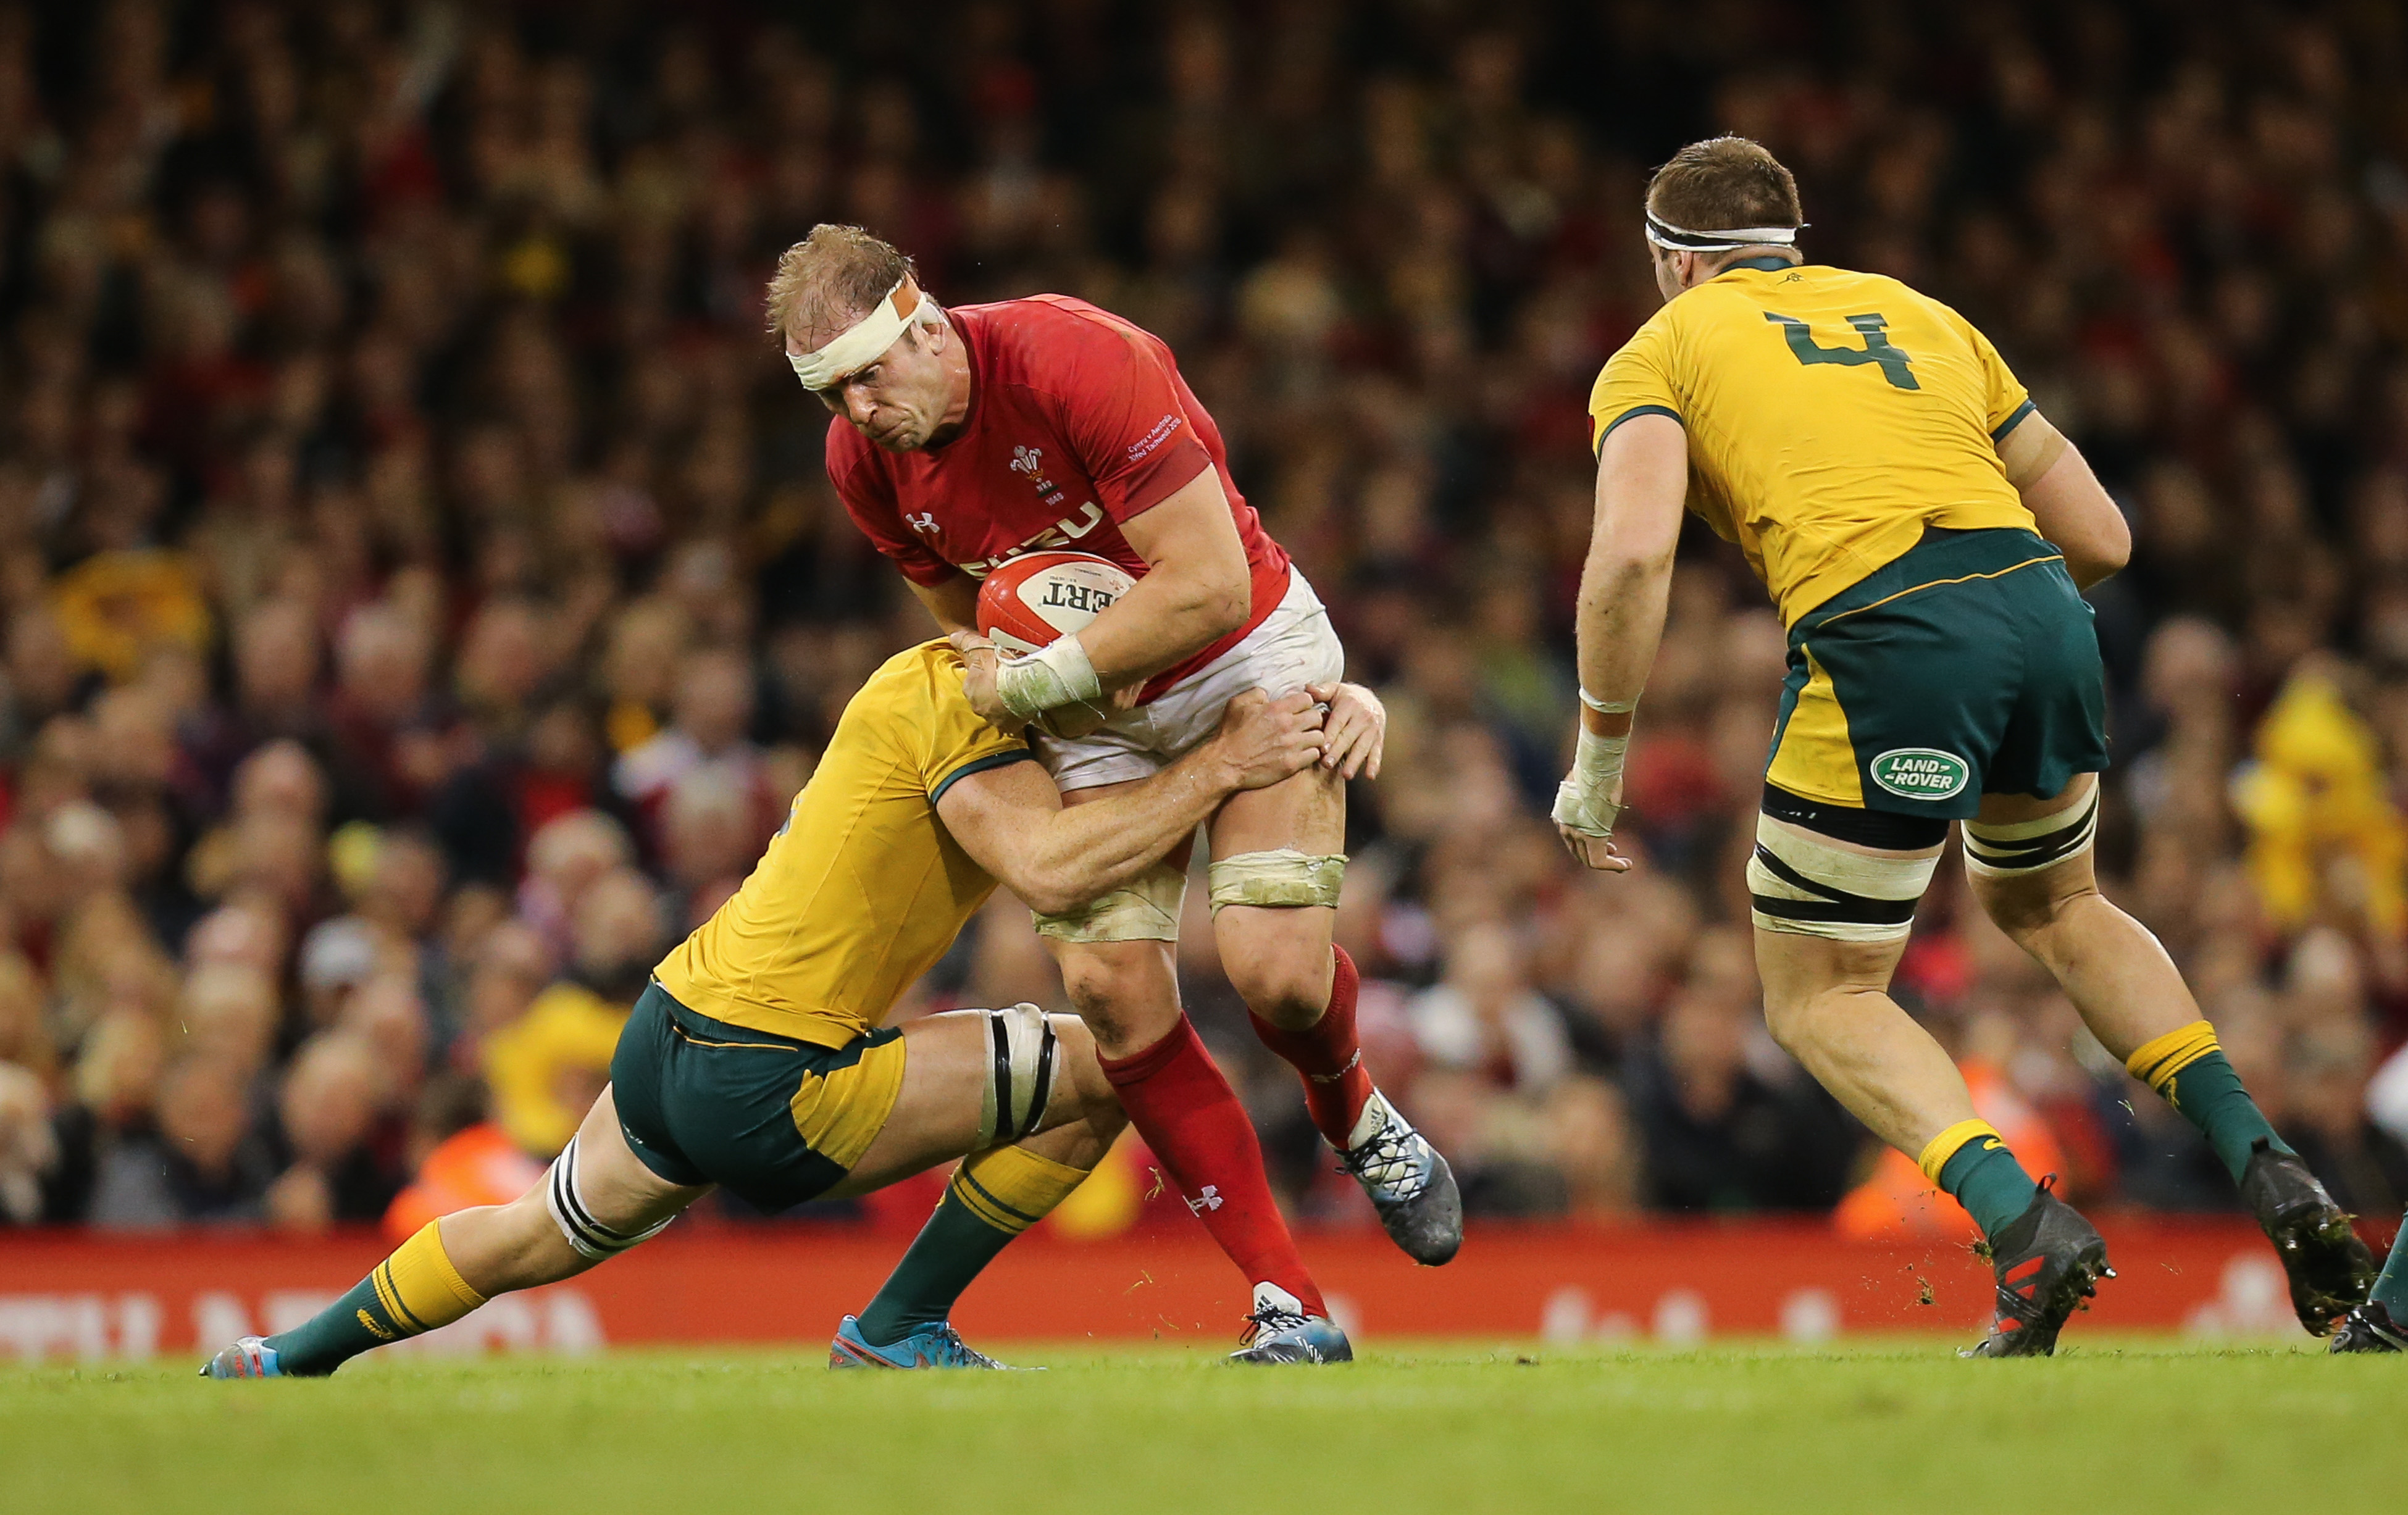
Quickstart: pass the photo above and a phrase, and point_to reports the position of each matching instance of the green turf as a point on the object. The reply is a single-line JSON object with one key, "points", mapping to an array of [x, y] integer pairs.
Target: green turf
{"points": [[1893, 1426]]}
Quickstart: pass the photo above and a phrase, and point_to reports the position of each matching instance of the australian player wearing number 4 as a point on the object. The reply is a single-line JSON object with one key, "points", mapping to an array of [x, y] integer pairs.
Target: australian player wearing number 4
{"points": [[965, 438], [1925, 533]]}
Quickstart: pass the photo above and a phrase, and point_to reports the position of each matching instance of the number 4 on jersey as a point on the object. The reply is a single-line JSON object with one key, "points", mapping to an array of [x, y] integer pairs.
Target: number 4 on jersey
{"points": [[1896, 366]]}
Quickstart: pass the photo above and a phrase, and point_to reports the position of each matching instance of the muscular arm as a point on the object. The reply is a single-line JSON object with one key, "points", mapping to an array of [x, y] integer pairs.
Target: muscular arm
{"points": [[1197, 588], [2066, 498], [1012, 823], [1642, 477]]}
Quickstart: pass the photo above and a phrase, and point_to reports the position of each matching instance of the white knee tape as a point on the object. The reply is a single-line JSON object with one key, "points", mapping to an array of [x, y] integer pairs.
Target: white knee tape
{"points": [[1146, 909], [1022, 1051], [1807, 885], [590, 1237], [2029, 846], [1282, 879]]}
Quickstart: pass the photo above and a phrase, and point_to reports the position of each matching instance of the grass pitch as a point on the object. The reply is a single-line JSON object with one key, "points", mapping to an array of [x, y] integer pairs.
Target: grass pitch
{"points": [[2114, 1428]]}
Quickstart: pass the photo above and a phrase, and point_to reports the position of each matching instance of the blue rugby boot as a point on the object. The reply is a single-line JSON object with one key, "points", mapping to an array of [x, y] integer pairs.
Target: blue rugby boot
{"points": [[938, 1346], [1409, 1181], [1279, 1331], [250, 1358]]}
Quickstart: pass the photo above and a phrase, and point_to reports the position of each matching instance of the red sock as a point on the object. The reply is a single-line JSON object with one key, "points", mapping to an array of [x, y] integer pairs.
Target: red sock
{"points": [[1183, 1107], [1336, 1084]]}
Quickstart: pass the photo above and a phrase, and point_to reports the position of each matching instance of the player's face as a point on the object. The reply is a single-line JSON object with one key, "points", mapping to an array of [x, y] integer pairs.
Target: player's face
{"points": [[900, 400]]}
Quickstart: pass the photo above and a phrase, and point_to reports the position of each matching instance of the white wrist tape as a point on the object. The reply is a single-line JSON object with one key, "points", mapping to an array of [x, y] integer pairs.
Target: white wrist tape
{"points": [[1587, 800], [1057, 675], [1609, 707]]}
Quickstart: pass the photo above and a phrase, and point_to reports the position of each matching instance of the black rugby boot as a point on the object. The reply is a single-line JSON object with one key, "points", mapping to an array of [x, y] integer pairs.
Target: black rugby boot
{"points": [[2330, 1269], [2048, 1260]]}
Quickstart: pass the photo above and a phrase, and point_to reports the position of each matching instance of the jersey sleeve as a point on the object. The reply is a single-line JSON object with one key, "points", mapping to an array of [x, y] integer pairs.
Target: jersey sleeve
{"points": [[2004, 400], [869, 500], [1119, 408], [1636, 381], [958, 742]]}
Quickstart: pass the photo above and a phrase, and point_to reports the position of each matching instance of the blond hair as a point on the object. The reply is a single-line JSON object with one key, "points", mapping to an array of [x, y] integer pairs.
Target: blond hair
{"points": [[832, 279]]}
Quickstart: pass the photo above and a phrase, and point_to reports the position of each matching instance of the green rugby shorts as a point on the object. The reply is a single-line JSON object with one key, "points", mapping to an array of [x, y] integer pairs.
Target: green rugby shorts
{"points": [[775, 1120], [1968, 667]]}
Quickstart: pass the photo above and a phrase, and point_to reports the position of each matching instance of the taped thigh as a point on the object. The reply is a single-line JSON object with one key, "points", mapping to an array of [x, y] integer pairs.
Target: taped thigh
{"points": [[1993, 851], [1022, 1051], [1808, 885], [1283, 878], [567, 1202], [1145, 910]]}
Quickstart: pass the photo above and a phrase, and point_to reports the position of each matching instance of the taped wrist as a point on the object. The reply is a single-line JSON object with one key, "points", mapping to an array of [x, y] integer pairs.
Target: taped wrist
{"points": [[1057, 674], [1584, 800]]}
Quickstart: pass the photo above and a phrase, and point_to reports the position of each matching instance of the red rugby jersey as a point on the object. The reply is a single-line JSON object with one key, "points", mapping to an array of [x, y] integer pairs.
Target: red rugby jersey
{"points": [[1078, 421]]}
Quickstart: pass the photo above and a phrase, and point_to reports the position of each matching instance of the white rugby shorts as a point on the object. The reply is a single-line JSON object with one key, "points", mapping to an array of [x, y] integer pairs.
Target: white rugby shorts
{"points": [[1295, 646]]}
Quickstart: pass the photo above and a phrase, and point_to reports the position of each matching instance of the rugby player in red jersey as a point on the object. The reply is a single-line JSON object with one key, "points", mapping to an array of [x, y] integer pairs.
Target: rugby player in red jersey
{"points": [[965, 438]]}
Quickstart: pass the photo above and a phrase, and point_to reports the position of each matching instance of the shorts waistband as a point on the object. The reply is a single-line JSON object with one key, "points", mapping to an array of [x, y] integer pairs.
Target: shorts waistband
{"points": [[705, 1031], [1944, 556]]}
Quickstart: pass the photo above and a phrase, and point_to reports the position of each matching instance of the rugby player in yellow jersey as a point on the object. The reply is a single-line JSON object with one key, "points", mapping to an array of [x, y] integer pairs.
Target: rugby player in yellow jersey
{"points": [[756, 1060], [1925, 533]]}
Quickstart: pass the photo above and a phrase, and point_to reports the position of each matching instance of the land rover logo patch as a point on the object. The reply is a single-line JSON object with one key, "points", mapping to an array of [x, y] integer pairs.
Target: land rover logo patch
{"points": [[1921, 773]]}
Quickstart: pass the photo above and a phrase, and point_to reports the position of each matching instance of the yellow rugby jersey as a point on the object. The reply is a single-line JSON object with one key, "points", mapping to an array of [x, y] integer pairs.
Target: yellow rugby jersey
{"points": [[863, 889], [1831, 417]]}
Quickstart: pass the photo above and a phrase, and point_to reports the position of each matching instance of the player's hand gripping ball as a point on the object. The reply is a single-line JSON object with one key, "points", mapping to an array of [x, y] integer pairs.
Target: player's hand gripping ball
{"points": [[1037, 596]]}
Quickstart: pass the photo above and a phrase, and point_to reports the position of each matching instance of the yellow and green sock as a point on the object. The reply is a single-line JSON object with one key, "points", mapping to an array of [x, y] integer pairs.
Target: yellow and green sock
{"points": [[1970, 1160], [414, 1290], [995, 1196], [2190, 1069]]}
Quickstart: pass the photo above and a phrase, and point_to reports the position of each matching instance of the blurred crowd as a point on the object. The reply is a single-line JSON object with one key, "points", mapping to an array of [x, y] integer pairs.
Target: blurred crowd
{"points": [[421, 592]]}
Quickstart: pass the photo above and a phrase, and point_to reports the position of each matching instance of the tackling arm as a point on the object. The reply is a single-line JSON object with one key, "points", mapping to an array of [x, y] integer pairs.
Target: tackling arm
{"points": [[1057, 858], [2066, 498], [1642, 477]]}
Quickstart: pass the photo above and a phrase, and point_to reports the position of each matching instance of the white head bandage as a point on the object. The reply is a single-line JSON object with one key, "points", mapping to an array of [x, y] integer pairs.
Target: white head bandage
{"points": [[1665, 235], [863, 341]]}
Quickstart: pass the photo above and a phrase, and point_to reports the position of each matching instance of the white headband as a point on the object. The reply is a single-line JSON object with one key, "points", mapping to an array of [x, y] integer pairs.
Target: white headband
{"points": [[865, 339], [1665, 235]]}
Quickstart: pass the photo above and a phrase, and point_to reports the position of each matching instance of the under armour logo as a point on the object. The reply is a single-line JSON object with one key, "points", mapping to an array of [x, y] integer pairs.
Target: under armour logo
{"points": [[1209, 1200], [924, 523]]}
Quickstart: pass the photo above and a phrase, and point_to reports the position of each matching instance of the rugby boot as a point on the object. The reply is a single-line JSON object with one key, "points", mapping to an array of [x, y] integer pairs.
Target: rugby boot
{"points": [[2048, 1260], [1279, 1331], [2330, 1269], [938, 1345], [250, 1358], [1409, 1181], [2369, 1328]]}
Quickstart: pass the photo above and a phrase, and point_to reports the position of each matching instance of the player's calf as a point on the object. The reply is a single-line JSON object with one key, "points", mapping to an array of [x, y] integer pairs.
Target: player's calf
{"points": [[1301, 991], [2033, 876], [570, 1221]]}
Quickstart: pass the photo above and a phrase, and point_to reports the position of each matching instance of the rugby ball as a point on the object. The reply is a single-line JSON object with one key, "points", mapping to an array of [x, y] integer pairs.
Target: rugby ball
{"points": [[1037, 596]]}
